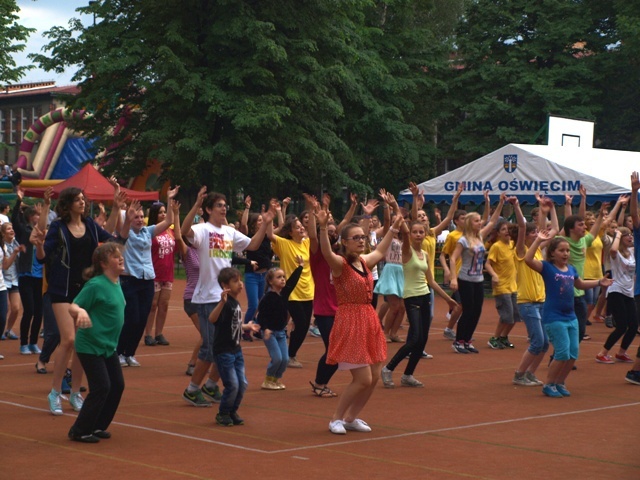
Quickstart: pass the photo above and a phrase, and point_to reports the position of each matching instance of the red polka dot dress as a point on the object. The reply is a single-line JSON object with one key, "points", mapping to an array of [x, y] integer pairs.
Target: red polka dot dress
{"points": [[356, 336]]}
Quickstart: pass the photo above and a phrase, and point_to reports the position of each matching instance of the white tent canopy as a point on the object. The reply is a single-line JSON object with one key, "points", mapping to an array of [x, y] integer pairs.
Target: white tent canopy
{"points": [[523, 170]]}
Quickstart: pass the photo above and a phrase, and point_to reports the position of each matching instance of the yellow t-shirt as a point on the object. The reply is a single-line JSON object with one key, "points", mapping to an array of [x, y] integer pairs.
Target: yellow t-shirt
{"points": [[530, 283], [593, 261], [287, 250], [450, 245], [429, 246], [502, 256]]}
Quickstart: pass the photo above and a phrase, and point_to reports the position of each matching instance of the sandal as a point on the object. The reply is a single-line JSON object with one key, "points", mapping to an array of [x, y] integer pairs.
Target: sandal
{"points": [[41, 370], [322, 392]]}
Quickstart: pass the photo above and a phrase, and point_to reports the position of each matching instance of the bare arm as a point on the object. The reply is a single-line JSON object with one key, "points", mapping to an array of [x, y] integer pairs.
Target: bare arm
{"points": [[494, 217], [522, 228], [244, 219], [350, 213], [487, 208], [168, 220], [267, 219], [185, 229], [438, 229], [453, 274], [334, 261], [181, 247], [633, 201], [381, 250], [582, 208]]}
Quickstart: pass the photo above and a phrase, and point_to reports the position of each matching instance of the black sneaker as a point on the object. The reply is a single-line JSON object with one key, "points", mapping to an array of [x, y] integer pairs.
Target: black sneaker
{"points": [[149, 341], [82, 438], [101, 434], [236, 418], [224, 419], [161, 340], [459, 347], [471, 348]]}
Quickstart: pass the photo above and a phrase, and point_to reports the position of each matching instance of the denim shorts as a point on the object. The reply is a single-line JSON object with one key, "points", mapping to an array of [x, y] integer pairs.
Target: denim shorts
{"points": [[507, 306], [564, 338], [207, 331], [531, 314]]}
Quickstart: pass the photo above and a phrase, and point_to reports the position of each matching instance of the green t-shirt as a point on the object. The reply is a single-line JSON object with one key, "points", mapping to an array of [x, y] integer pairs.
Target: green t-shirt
{"points": [[104, 302], [578, 256]]}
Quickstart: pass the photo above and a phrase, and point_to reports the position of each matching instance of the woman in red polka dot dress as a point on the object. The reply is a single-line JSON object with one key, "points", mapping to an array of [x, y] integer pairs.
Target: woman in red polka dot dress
{"points": [[357, 342]]}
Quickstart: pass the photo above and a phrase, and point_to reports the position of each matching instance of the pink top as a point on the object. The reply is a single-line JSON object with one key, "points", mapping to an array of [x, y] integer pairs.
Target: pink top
{"points": [[325, 302], [191, 263], [162, 248]]}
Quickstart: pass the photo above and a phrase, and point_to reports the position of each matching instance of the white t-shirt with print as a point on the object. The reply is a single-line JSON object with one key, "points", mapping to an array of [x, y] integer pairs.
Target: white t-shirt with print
{"points": [[215, 246]]}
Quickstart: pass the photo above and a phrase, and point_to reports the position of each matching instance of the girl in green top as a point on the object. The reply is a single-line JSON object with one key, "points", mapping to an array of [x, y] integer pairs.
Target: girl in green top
{"points": [[98, 311], [417, 301]]}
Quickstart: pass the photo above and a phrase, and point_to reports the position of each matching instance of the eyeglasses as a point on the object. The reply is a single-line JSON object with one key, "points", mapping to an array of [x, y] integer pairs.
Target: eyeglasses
{"points": [[357, 238], [221, 205]]}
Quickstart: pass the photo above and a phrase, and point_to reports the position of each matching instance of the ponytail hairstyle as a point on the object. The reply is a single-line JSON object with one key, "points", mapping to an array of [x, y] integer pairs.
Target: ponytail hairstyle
{"points": [[101, 255]]}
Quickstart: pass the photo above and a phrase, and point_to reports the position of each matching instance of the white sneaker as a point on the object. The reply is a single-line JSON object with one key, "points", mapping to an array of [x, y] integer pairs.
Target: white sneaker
{"points": [[132, 362], [337, 427], [387, 378], [76, 401], [410, 381], [357, 426], [123, 361]]}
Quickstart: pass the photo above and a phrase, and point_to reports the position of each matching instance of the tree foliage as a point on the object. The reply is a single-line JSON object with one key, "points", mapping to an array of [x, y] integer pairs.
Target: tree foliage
{"points": [[12, 38], [282, 96], [517, 62]]}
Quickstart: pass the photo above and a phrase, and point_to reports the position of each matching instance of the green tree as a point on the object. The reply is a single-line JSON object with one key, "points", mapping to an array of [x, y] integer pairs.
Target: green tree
{"points": [[277, 95], [517, 62], [229, 93], [12, 38]]}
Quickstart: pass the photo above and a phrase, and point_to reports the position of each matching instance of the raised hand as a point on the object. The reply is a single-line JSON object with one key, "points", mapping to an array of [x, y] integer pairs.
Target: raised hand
{"points": [[322, 216], [133, 208], [247, 202], [171, 193], [37, 236], [202, 194], [413, 188], [48, 194], [635, 181], [369, 207], [583, 190], [326, 201], [300, 260], [175, 206]]}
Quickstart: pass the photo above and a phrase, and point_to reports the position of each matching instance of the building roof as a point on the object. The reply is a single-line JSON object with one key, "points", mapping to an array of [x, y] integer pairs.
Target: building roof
{"points": [[37, 88]]}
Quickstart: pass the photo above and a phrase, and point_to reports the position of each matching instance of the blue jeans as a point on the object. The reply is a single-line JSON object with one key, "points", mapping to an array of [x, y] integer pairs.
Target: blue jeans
{"points": [[254, 286], [531, 313], [231, 370], [279, 353]]}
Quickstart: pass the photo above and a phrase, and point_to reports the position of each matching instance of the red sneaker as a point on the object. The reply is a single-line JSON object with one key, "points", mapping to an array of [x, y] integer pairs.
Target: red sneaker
{"points": [[604, 359], [624, 358]]}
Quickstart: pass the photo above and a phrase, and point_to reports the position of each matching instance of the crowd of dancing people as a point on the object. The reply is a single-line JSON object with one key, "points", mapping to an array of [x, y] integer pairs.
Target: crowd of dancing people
{"points": [[97, 287]]}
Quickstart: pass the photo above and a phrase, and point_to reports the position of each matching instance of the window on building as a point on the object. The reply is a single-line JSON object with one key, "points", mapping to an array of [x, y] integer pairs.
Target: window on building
{"points": [[24, 121], [13, 127], [3, 125]]}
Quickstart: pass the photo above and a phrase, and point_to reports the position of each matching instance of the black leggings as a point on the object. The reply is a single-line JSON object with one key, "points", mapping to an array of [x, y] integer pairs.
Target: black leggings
{"points": [[472, 296], [300, 312], [324, 372], [623, 309], [30, 289], [419, 317], [51, 332]]}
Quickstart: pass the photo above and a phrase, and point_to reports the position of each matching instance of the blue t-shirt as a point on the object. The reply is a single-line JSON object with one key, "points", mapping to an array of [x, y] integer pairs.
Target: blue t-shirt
{"points": [[558, 304]]}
